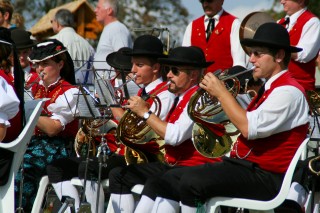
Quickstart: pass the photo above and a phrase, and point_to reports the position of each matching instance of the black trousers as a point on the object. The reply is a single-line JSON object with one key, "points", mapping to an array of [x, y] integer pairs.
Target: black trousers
{"points": [[123, 179], [231, 177], [68, 168]]}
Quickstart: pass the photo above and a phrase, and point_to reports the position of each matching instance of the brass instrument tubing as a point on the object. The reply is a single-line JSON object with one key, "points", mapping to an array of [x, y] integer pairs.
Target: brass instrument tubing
{"points": [[223, 78]]}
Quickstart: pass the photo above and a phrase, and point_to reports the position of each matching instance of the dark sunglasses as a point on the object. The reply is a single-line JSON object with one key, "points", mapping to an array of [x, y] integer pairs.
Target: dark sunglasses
{"points": [[208, 1], [175, 70]]}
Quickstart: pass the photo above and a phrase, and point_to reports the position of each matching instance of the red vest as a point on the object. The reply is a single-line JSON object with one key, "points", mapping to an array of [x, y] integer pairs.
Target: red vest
{"points": [[53, 92], [273, 153], [16, 126], [304, 73], [218, 48], [185, 154]]}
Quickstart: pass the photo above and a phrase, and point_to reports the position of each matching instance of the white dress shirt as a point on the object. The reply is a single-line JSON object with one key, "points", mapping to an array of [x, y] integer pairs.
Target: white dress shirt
{"points": [[181, 130], [284, 109], [9, 102]]}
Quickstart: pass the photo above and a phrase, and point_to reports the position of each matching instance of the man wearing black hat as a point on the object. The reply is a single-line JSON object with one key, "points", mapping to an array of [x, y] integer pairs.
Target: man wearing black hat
{"points": [[185, 66], [24, 45], [272, 128]]}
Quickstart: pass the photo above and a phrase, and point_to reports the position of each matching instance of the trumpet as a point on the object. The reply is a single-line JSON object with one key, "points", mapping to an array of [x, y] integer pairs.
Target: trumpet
{"points": [[207, 113]]}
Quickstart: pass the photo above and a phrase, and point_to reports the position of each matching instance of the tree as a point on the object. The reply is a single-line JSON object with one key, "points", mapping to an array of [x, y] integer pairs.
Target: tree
{"points": [[135, 14]]}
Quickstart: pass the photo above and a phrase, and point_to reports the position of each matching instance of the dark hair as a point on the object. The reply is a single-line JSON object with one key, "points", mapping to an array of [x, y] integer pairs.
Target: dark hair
{"points": [[6, 6], [67, 71], [287, 57], [5, 52]]}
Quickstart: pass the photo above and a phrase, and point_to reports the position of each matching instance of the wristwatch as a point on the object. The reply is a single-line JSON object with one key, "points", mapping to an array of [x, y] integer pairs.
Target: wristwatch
{"points": [[146, 115]]}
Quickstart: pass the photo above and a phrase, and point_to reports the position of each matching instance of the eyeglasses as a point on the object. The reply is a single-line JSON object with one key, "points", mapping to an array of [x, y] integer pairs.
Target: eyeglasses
{"points": [[176, 70], [257, 53], [208, 1]]}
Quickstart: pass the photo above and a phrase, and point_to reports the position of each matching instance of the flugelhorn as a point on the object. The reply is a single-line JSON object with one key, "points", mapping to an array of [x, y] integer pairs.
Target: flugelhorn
{"points": [[212, 132]]}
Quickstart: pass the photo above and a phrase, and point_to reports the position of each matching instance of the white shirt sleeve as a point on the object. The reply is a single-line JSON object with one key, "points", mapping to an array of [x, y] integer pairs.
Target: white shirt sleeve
{"points": [[238, 55], [9, 102], [65, 107], [187, 36], [180, 131], [309, 41], [284, 109]]}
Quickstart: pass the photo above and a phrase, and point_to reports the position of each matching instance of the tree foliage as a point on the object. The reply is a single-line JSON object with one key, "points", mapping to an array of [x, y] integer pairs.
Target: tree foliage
{"points": [[135, 14]]}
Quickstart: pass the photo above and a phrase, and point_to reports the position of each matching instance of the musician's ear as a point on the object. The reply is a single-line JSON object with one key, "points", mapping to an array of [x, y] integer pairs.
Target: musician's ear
{"points": [[156, 68]]}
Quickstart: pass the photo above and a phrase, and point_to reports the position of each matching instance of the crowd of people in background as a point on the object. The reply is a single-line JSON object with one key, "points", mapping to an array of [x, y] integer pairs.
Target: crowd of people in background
{"points": [[284, 56]]}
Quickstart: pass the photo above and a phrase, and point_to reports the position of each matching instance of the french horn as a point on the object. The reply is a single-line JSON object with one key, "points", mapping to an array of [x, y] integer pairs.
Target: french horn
{"points": [[213, 134], [134, 133]]}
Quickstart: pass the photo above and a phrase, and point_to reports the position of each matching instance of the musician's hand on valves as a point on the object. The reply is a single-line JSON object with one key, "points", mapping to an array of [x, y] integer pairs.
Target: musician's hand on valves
{"points": [[214, 86], [137, 105]]}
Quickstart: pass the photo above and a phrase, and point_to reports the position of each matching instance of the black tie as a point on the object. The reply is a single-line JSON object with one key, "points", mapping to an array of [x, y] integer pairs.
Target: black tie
{"points": [[144, 95], [175, 102], [210, 27], [286, 22], [260, 93]]}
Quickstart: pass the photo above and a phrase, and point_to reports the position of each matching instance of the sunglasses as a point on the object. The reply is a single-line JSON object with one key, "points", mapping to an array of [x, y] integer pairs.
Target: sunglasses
{"points": [[257, 53], [208, 1], [176, 70]]}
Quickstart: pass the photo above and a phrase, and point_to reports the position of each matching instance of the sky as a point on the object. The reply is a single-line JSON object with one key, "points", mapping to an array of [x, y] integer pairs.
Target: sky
{"points": [[239, 8]]}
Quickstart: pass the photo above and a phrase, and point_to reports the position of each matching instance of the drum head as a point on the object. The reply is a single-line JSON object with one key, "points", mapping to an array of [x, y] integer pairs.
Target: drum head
{"points": [[250, 24]]}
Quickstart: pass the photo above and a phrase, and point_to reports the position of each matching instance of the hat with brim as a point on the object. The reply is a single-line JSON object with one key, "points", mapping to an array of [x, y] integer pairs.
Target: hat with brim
{"points": [[120, 60], [45, 50], [186, 56], [22, 39], [147, 45], [271, 35]]}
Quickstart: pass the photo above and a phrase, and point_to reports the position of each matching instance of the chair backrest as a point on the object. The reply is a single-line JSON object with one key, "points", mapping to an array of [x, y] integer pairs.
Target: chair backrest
{"points": [[213, 203], [18, 147]]}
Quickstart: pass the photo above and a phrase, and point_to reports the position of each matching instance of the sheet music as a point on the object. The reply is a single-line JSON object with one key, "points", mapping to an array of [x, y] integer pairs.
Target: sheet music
{"points": [[86, 106], [105, 92]]}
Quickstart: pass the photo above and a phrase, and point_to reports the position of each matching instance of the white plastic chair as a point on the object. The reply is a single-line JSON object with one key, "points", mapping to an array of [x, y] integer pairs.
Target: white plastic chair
{"points": [[18, 147], [44, 182], [258, 205]]}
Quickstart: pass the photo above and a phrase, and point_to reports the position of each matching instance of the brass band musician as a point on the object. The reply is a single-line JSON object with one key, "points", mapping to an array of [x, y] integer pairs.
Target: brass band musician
{"points": [[185, 66], [143, 58], [272, 128]]}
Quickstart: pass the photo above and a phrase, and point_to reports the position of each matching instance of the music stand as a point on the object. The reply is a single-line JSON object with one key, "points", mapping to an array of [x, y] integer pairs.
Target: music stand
{"points": [[88, 107], [106, 93]]}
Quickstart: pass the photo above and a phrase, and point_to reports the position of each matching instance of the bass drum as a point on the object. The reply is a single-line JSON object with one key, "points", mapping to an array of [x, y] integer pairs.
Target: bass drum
{"points": [[90, 135]]}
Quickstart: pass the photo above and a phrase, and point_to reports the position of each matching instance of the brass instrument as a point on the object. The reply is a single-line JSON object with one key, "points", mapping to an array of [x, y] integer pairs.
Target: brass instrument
{"points": [[314, 101], [208, 134], [133, 132], [315, 159], [88, 132]]}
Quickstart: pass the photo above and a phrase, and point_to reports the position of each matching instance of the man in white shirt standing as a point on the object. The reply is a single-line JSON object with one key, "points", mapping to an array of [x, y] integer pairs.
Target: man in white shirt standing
{"points": [[79, 48], [304, 31], [114, 35], [217, 34]]}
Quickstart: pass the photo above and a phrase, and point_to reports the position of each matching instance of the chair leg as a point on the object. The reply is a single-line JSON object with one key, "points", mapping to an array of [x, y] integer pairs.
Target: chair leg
{"points": [[44, 182]]}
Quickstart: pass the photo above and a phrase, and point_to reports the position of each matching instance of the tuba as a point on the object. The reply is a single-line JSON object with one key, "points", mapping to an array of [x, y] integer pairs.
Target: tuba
{"points": [[135, 133]]}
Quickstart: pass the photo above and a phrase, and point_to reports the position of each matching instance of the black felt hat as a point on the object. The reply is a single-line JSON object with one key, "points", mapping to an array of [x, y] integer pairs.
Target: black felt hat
{"points": [[5, 36], [22, 39], [186, 56], [46, 49], [147, 45], [271, 35], [120, 60]]}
